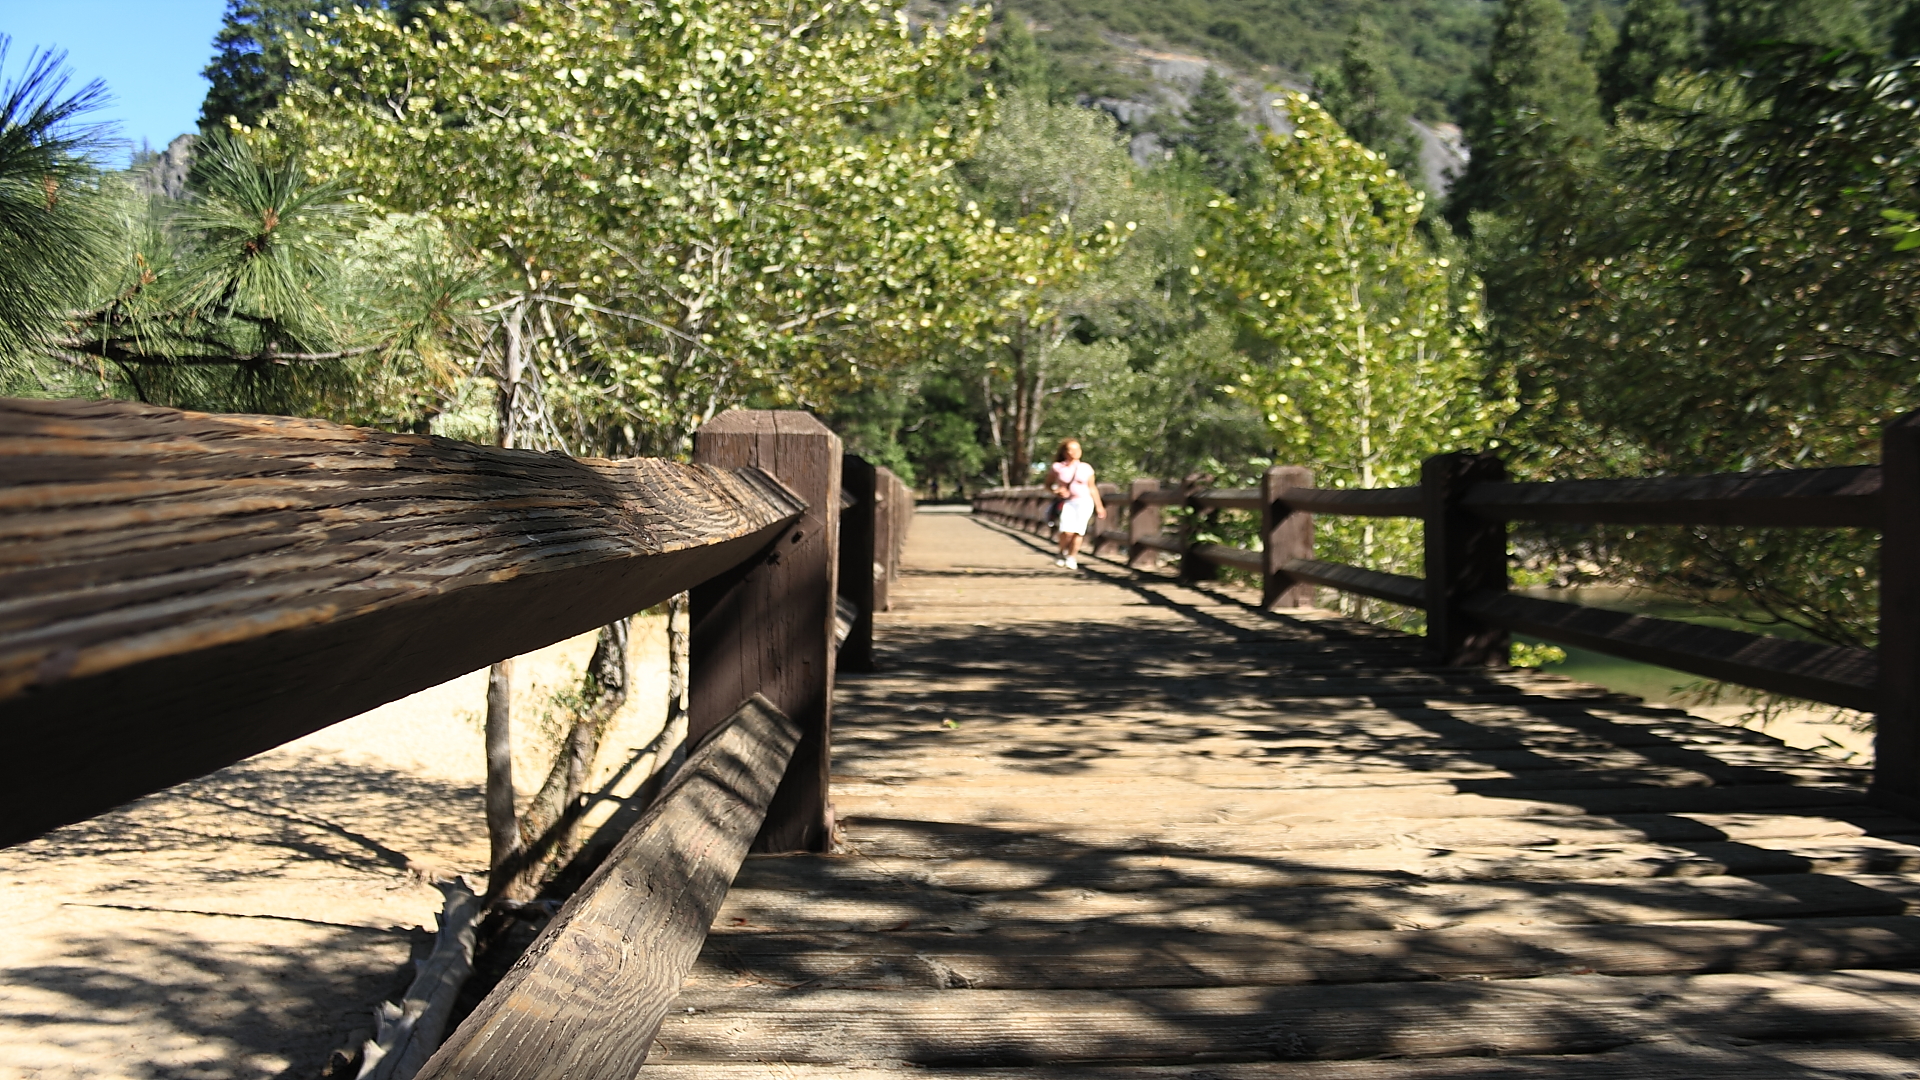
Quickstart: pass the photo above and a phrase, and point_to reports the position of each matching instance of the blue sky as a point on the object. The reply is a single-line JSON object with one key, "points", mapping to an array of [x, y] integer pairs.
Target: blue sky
{"points": [[148, 52]]}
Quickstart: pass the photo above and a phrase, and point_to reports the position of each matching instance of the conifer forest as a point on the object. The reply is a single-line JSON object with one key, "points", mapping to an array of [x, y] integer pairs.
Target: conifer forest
{"points": [[1679, 237]]}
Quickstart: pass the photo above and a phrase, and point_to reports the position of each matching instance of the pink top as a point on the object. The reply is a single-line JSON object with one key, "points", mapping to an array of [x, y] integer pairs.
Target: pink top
{"points": [[1074, 476]]}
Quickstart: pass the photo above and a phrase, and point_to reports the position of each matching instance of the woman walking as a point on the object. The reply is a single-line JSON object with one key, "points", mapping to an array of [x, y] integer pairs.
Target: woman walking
{"points": [[1072, 480]]}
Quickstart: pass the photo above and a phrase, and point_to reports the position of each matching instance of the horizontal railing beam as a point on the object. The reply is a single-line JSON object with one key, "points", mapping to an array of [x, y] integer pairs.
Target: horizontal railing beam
{"points": [[1826, 673], [1223, 555], [1836, 498], [1230, 499], [591, 992], [1358, 502], [182, 591], [1394, 588]]}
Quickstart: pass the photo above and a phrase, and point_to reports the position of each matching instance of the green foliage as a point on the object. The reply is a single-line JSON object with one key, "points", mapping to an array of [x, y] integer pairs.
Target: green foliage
{"points": [[1714, 295], [695, 200], [1534, 100], [1364, 359], [1735, 28], [1365, 99], [56, 222], [1432, 44], [1212, 129], [249, 70], [1017, 65], [1657, 38], [1068, 168]]}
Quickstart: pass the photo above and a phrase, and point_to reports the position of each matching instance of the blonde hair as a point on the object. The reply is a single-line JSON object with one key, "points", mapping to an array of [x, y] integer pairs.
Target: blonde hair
{"points": [[1061, 454]]}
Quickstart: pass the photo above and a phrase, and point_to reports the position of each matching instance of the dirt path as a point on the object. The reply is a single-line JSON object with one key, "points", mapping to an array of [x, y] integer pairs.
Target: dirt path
{"points": [[245, 924]]}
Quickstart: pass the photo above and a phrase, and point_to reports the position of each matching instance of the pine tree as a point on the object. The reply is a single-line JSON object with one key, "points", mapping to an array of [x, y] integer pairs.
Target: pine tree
{"points": [[1905, 32], [1533, 100], [249, 69], [1735, 28], [1600, 41], [1213, 130], [1017, 63], [1656, 37], [56, 229], [1364, 97]]}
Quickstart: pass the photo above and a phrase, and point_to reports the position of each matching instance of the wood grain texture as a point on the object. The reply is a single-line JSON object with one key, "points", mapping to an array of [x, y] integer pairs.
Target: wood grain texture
{"points": [[1109, 816], [585, 1000], [1827, 498], [179, 591], [1661, 1060], [768, 627], [1556, 1014], [1035, 958], [1829, 673]]}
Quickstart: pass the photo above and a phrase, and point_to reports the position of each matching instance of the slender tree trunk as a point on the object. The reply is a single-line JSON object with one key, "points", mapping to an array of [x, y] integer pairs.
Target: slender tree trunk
{"points": [[995, 424], [679, 663], [503, 825], [503, 830], [1021, 450]]}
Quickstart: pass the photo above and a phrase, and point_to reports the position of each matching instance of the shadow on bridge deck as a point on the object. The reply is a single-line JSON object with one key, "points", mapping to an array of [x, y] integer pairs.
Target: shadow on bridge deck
{"points": [[1103, 825]]}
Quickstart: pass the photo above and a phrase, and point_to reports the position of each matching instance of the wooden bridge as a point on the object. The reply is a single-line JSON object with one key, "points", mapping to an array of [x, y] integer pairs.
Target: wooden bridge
{"points": [[1120, 824]]}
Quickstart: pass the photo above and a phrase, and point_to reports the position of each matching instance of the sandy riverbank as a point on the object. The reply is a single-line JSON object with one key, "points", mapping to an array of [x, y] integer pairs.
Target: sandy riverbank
{"points": [[245, 924]]}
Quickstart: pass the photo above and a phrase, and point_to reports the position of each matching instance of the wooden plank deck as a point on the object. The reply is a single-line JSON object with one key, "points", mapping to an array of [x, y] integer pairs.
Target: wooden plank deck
{"points": [[1102, 826]]}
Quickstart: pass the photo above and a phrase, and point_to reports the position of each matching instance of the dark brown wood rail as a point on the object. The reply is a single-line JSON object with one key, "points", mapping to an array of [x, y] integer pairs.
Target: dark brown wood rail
{"points": [[1466, 503], [179, 591], [587, 998]]}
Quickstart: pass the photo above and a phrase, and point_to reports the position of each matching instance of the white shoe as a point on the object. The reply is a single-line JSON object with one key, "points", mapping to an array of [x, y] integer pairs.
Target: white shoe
{"points": [[1060, 562], [1070, 564]]}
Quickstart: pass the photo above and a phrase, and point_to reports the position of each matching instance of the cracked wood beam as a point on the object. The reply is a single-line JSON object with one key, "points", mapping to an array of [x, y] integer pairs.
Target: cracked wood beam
{"points": [[179, 591]]}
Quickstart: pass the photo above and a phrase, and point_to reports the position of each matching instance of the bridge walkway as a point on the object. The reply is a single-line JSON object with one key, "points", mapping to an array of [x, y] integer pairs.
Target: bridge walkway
{"points": [[1106, 826]]}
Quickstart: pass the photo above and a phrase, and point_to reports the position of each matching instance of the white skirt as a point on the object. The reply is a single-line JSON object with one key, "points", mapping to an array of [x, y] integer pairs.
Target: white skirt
{"points": [[1074, 515]]}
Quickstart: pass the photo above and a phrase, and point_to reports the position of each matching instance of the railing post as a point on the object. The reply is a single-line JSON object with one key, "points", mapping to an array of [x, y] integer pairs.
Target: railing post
{"points": [[1285, 534], [1193, 567], [767, 626], [1896, 732], [1465, 555], [859, 527], [1142, 521], [886, 496], [1102, 544]]}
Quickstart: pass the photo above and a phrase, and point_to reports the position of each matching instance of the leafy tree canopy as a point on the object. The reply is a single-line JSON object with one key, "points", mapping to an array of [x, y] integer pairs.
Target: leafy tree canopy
{"points": [[698, 198], [1363, 339]]}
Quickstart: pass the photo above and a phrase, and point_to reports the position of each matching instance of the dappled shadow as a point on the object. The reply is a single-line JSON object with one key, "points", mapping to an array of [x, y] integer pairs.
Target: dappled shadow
{"points": [[1240, 836], [242, 924]]}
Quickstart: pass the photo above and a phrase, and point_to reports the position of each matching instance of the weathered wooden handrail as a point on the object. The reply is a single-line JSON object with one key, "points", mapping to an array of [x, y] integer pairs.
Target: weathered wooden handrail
{"points": [[588, 996], [179, 591], [1465, 504], [1832, 498]]}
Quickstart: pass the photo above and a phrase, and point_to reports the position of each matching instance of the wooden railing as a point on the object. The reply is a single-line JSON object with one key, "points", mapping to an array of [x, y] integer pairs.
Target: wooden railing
{"points": [[1466, 504], [179, 591]]}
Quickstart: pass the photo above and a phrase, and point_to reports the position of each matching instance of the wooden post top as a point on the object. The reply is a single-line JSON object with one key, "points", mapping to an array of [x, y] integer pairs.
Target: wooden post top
{"points": [[764, 422]]}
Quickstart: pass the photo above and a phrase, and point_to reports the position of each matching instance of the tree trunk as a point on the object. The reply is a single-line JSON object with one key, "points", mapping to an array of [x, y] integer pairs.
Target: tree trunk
{"points": [[679, 657], [503, 826], [1020, 448], [546, 829], [503, 830]]}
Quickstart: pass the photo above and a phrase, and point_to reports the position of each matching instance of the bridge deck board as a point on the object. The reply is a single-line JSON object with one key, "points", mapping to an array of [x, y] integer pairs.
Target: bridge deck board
{"points": [[1106, 826]]}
